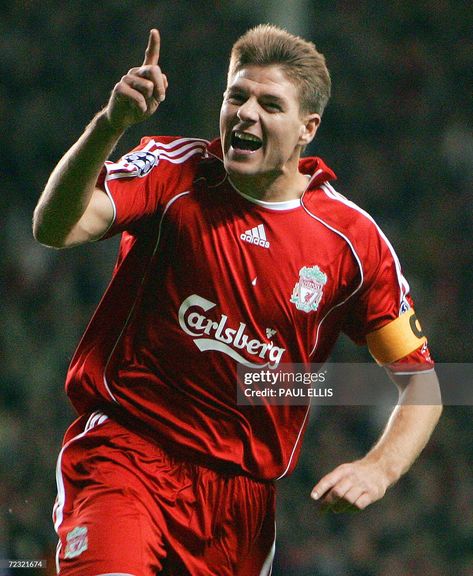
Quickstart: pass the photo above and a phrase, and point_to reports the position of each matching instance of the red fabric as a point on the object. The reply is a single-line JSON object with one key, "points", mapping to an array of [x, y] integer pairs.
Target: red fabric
{"points": [[206, 278], [139, 511]]}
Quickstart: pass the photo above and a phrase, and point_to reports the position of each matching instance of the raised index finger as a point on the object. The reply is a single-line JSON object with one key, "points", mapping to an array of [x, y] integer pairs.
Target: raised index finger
{"points": [[152, 50]]}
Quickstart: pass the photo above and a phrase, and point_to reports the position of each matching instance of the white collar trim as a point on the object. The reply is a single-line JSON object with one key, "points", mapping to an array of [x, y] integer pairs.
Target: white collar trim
{"points": [[284, 205]]}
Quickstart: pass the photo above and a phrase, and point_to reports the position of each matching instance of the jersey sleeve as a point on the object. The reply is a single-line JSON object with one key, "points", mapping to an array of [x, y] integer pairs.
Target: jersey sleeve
{"points": [[141, 182], [383, 316]]}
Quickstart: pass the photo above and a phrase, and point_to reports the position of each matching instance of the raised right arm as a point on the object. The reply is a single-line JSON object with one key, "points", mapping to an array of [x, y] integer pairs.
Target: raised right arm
{"points": [[71, 209]]}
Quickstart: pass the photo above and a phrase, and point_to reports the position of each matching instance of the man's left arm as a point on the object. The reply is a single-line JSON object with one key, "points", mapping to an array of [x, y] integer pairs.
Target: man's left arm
{"points": [[355, 485]]}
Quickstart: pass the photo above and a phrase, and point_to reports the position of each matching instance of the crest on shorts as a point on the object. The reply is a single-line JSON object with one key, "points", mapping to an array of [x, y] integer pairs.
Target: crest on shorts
{"points": [[76, 542], [308, 291]]}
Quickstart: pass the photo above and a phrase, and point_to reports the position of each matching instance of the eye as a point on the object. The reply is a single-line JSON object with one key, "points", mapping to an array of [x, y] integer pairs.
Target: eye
{"points": [[272, 106], [235, 98]]}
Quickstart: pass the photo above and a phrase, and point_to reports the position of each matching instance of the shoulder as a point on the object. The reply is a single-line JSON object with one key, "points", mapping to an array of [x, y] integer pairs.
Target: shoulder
{"points": [[325, 203], [165, 152], [342, 215], [364, 238]]}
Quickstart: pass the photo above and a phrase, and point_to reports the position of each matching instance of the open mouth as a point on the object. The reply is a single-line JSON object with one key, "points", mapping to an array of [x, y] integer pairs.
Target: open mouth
{"points": [[245, 141]]}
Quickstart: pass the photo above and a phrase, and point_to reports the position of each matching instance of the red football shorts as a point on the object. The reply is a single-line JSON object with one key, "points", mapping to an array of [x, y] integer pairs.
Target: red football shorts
{"points": [[125, 506]]}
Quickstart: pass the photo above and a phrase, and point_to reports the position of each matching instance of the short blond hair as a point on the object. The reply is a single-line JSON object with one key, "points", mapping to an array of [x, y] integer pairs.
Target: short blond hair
{"points": [[267, 45]]}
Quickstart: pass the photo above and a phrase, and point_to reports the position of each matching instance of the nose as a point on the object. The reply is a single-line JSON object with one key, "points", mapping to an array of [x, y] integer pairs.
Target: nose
{"points": [[247, 112]]}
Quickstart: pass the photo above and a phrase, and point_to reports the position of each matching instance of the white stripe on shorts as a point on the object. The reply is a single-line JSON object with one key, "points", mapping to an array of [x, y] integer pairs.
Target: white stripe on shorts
{"points": [[94, 420], [267, 569]]}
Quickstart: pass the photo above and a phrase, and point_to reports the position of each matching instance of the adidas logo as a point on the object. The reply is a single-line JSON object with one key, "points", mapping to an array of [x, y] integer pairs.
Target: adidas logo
{"points": [[256, 235]]}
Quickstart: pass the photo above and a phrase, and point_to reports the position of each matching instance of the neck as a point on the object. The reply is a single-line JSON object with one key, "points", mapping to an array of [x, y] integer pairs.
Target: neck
{"points": [[269, 188]]}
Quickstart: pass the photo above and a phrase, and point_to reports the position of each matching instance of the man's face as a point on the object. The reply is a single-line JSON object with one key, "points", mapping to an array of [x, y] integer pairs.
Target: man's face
{"points": [[260, 124]]}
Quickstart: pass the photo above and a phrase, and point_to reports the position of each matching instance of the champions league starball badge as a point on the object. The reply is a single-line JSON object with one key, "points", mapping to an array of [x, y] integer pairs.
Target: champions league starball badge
{"points": [[142, 160], [308, 291]]}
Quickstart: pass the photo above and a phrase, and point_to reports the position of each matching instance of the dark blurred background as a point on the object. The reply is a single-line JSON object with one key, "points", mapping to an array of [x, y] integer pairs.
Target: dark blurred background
{"points": [[398, 132]]}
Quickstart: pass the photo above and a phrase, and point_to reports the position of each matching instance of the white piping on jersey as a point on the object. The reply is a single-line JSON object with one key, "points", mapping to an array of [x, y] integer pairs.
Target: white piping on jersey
{"points": [[95, 419], [196, 145], [212, 185], [225, 172], [114, 207], [218, 183], [329, 311], [193, 146], [403, 284], [328, 189], [107, 387], [357, 258], [295, 444], [132, 309], [166, 208]]}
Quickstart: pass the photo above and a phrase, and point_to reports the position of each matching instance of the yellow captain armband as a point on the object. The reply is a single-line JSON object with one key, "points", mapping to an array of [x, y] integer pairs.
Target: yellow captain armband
{"points": [[396, 339]]}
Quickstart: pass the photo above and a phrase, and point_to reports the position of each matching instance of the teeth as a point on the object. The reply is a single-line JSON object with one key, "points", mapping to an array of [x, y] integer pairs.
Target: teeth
{"points": [[248, 137]]}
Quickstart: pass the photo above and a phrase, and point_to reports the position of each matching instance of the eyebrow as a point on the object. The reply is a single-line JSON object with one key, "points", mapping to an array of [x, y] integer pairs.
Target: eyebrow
{"points": [[235, 89], [274, 98]]}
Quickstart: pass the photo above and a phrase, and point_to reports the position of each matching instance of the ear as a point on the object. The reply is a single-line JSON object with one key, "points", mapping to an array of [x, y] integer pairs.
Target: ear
{"points": [[311, 122]]}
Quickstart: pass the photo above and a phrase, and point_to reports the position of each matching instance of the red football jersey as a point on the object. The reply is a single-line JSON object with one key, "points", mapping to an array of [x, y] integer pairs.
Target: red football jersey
{"points": [[207, 277]]}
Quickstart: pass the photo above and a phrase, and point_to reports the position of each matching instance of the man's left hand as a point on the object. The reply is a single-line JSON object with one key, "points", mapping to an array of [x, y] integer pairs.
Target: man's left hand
{"points": [[351, 487]]}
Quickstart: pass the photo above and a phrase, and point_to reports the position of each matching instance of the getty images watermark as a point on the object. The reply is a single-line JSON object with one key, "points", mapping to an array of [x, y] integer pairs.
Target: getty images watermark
{"points": [[283, 384], [356, 384]]}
